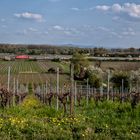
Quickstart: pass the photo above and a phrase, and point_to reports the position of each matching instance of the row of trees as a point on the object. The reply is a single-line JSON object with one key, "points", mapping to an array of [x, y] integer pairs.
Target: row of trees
{"points": [[66, 50]]}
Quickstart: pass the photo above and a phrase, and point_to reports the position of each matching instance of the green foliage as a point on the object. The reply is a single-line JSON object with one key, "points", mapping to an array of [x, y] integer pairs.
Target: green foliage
{"points": [[94, 78], [30, 88], [56, 60], [80, 63], [118, 77], [107, 120]]}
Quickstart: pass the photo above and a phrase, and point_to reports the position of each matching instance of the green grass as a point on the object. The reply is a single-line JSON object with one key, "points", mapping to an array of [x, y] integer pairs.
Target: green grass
{"points": [[105, 121]]}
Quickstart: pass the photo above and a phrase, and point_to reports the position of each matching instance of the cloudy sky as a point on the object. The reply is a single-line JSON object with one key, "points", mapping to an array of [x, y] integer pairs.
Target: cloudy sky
{"points": [[107, 23]]}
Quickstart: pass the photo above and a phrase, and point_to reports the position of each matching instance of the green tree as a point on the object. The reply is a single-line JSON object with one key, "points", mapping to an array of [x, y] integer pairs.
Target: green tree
{"points": [[118, 77], [94, 78], [81, 64]]}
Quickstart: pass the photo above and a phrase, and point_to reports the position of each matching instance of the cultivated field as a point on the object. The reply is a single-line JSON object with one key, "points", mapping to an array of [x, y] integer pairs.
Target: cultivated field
{"points": [[36, 72], [118, 65], [32, 71]]}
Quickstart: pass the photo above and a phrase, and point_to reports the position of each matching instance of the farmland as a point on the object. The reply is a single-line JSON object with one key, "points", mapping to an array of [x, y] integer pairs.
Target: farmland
{"points": [[37, 71], [119, 65], [33, 110], [30, 66], [31, 71]]}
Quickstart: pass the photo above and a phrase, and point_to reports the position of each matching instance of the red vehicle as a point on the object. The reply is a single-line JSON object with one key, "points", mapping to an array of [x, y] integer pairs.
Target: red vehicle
{"points": [[22, 57]]}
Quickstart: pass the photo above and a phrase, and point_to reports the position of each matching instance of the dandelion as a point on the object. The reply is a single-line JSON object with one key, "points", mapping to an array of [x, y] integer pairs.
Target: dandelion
{"points": [[106, 126], [83, 135], [132, 133]]}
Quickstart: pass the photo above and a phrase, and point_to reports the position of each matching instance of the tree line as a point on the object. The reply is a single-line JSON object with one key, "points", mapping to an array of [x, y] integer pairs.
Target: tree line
{"points": [[67, 50]]}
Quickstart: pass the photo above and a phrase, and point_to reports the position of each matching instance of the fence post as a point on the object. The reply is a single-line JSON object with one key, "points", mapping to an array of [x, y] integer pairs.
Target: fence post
{"points": [[108, 85], [72, 90], [75, 93], [14, 91], [46, 88], [87, 90], [9, 72], [57, 90], [122, 98]]}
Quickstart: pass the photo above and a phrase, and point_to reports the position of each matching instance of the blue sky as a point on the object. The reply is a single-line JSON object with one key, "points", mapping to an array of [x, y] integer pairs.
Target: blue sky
{"points": [[107, 23]]}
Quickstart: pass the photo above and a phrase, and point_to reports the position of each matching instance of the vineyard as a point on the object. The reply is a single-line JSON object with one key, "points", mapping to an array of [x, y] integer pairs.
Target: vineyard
{"points": [[31, 71], [36, 116], [43, 105]]}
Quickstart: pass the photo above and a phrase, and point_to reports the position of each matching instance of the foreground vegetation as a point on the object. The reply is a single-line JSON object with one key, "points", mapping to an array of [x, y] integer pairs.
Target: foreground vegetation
{"points": [[105, 120]]}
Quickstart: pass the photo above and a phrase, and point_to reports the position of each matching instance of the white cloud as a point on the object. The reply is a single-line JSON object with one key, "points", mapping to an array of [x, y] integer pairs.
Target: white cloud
{"points": [[129, 33], [103, 7], [125, 33], [103, 29], [116, 8], [75, 9], [32, 29], [30, 16], [57, 27], [131, 9], [114, 33], [67, 33]]}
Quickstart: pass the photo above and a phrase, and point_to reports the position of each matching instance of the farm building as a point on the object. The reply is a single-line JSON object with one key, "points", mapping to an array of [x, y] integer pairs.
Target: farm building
{"points": [[22, 57]]}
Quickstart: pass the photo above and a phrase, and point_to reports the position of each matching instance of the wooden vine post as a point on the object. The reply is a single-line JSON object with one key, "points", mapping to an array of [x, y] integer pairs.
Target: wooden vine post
{"points": [[87, 98], [122, 90], [108, 84], [9, 73], [75, 92], [72, 90], [14, 92], [57, 89]]}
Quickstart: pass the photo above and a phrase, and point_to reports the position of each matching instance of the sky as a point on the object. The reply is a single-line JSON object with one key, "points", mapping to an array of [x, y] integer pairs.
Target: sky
{"points": [[101, 23]]}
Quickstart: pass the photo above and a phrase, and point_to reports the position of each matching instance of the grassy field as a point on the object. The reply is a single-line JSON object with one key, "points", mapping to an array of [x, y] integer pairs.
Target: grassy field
{"points": [[103, 121]]}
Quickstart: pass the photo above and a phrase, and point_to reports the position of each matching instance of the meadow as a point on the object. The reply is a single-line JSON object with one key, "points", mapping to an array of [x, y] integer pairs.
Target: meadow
{"points": [[103, 120]]}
